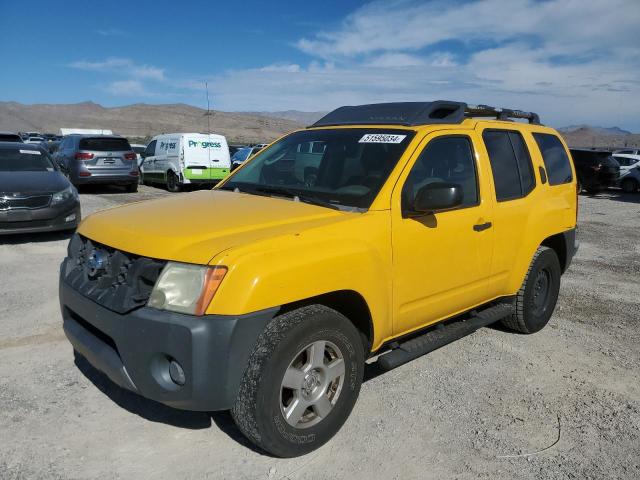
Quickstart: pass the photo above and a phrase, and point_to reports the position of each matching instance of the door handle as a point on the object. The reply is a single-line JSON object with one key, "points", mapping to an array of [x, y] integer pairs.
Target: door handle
{"points": [[479, 227]]}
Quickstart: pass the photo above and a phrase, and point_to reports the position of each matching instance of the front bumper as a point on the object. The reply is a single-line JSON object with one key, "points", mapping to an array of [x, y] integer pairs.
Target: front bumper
{"points": [[49, 219], [134, 349]]}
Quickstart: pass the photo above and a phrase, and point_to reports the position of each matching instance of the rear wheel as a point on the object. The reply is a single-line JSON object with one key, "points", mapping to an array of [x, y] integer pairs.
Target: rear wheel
{"points": [[629, 185], [301, 382], [173, 184], [132, 188], [538, 295]]}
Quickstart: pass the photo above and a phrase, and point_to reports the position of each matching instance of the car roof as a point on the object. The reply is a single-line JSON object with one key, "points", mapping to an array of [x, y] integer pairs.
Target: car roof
{"points": [[414, 114], [93, 135]]}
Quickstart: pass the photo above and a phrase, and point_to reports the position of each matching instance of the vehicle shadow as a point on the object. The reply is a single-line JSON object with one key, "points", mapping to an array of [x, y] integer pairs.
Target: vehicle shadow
{"points": [[99, 189], [615, 195], [620, 196], [143, 407], [18, 238], [159, 413]]}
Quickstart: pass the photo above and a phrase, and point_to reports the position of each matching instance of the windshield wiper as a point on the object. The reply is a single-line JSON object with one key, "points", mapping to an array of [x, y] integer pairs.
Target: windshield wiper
{"points": [[295, 195]]}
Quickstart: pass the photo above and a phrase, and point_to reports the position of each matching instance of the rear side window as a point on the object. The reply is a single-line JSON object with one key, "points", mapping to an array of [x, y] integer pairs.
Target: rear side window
{"points": [[555, 158], [105, 144], [510, 163]]}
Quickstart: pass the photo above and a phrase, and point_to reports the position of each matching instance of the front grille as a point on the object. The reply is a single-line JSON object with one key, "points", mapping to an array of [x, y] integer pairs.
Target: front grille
{"points": [[117, 280], [9, 202]]}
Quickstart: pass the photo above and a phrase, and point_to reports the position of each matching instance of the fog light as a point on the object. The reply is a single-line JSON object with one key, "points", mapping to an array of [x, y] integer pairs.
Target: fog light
{"points": [[176, 373], [70, 218]]}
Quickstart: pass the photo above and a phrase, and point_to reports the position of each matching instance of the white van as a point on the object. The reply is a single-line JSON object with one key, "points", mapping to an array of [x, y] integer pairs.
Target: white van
{"points": [[177, 159]]}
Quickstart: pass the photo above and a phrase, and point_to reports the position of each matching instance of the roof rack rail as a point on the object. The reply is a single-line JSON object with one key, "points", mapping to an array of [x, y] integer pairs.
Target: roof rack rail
{"points": [[500, 113], [417, 113], [396, 113]]}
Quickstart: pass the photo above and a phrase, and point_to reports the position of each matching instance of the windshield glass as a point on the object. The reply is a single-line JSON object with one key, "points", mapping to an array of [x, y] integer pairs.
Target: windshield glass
{"points": [[341, 168], [24, 161], [241, 155]]}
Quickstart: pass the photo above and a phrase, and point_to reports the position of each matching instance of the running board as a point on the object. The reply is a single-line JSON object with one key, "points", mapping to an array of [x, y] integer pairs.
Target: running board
{"points": [[442, 335]]}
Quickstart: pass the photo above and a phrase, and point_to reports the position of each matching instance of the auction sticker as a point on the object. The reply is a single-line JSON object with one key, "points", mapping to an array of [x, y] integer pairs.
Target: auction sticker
{"points": [[381, 138], [30, 152]]}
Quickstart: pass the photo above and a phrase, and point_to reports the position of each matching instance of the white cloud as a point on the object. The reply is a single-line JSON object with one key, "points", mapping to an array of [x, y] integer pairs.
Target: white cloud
{"points": [[127, 88], [123, 67], [573, 61], [281, 67], [111, 32]]}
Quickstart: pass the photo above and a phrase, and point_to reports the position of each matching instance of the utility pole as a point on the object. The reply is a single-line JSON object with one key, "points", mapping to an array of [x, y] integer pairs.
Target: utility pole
{"points": [[208, 114]]}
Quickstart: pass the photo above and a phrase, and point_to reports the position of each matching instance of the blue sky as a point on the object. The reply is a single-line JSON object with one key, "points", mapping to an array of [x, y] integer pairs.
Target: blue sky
{"points": [[573, 61]]}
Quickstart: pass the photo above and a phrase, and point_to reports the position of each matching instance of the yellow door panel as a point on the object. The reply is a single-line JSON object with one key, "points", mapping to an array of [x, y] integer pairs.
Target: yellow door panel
{"points": [[441, 264]]}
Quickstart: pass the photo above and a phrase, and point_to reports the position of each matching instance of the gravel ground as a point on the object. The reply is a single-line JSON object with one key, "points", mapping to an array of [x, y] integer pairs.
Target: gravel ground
{"points": [[564, 403]]}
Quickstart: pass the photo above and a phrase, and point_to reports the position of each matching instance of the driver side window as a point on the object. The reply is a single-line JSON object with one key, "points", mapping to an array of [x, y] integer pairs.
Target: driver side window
{"points": [[444, 160]]}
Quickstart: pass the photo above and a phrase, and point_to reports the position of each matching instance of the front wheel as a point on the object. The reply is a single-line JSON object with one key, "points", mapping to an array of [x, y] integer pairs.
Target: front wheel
{"points": [[538, 295], [173, 184], [301, 382]]}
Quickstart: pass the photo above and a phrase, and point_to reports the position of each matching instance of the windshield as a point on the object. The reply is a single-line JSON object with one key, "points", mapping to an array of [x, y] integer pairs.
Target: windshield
{"points": [[241, 155], [340, 168], [25, 161]]}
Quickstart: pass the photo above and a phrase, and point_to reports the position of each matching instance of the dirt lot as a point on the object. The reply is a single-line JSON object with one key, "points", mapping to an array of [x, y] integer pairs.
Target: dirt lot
{"points": [[473, 409]]}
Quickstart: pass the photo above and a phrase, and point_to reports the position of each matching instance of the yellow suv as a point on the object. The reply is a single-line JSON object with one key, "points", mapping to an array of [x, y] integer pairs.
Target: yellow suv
{"points": [[383, 230]]}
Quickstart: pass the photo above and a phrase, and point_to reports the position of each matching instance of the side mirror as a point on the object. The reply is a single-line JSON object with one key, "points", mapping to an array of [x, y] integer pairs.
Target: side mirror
{"points": [[437, 197]]}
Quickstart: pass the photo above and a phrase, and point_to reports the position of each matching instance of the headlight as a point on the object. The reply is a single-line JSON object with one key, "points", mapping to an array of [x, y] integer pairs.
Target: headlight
{"points": [[64, 195], [186, 288]]}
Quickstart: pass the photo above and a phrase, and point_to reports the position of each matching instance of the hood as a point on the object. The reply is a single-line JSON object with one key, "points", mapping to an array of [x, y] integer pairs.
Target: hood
{"points": [[32, 182], [194, 227]]}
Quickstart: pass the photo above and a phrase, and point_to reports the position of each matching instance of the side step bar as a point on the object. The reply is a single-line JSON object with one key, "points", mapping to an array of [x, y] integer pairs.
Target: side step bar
{"points": [[442, 335]]}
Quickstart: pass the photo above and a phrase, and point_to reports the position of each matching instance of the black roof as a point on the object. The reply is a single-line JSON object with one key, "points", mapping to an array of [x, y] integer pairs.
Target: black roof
{"points": [[417, 113]]}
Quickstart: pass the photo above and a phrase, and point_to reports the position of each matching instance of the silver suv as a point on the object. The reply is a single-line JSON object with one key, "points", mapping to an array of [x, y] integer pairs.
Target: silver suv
{"points": [[91, 159]]}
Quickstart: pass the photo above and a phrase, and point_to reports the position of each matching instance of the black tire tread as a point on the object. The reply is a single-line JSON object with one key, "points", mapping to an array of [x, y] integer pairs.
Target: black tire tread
{"points": [[516, 321], [244, 411]]}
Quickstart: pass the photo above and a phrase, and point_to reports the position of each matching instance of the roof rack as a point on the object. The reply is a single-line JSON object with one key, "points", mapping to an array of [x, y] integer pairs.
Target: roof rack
{"points": [[500, 113], [416, 113]]}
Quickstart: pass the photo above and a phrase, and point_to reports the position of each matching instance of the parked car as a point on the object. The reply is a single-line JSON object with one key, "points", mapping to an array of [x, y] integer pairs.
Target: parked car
{"points": [[26, 135], [35, 140], [596, 169], [415, 225], [627, 151], [98, 159], [178, 159], [242, 155], [234, 148], [629, 171], [34, 195], [139, 150], [10, 137], [52, 146]]}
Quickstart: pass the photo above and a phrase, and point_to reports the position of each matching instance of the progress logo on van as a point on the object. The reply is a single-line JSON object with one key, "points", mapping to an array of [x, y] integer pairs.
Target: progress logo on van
{"points": [[197, 143], [168, 145]]}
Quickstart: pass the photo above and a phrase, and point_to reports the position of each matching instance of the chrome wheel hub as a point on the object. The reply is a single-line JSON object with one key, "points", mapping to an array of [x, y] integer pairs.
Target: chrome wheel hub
{"points": [[312, 384]]}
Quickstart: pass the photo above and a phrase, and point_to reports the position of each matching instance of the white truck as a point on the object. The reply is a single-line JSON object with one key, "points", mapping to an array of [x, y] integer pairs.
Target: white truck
{"points": [[177, 159]]}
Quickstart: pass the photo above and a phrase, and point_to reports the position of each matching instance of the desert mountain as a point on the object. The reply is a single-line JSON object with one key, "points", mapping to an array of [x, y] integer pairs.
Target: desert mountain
{"points": [[142, 120]]}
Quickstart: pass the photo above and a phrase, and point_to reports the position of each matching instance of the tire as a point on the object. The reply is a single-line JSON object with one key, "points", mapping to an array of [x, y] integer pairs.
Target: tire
{"points": [[173, 185], [131, 188], [538, 295], [288, 345], [629, 185]]}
